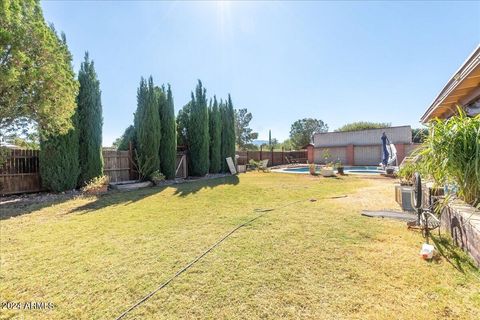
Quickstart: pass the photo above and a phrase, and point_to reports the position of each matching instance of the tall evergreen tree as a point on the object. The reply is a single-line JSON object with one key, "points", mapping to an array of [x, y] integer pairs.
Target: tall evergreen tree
{"points": [[215, 131], [228, 132], [147, 128], [168, 147], [90, 121], [123, 143], [231, 129], [223, 137], [59, 166], [198, 137], [182, 125], [58, 157]]}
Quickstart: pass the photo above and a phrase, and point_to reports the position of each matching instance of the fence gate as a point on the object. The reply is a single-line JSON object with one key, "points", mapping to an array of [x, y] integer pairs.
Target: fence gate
{"points": [[20, 172]]}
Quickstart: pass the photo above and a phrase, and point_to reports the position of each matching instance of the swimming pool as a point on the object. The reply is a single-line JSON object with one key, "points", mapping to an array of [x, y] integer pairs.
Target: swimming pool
{"points": [[346, 169]]}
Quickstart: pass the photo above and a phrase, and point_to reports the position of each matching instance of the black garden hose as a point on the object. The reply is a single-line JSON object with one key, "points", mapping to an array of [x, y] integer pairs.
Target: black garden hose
{"points": [[262, 212]]}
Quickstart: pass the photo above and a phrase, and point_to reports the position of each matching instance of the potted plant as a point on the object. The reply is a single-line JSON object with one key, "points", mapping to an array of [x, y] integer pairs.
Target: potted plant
{"points": [[339, 167], [327, 170], [157, 177], [312, 168], [96, 185]]}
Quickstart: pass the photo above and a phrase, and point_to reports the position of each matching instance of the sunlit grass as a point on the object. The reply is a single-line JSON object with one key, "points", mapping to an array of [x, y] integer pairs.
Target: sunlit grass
{"points": [[95, 257]]}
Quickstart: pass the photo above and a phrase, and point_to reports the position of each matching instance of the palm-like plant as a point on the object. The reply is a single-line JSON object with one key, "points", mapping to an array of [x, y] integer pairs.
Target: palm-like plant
{"points": [[451, 154]]}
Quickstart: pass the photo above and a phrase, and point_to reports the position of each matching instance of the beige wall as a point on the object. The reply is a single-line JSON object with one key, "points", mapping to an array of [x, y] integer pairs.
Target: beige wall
{"points": [[362, 155], [368, 155], [396, 135], [336, 153]]}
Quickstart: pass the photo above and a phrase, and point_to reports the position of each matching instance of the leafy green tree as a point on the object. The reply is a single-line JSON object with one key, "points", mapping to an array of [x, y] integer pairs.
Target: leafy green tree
{"points": [[419, 135], [182, 125], [122, 143], [37, 82], [251, 147], [274, 144], [59, 167], [302, 131], [198, 137], [168, 147], [215, 131], [29, 140], [244, 134], [147, 129], [90, 122], [228, 132], [286, 144], [363, 125]]}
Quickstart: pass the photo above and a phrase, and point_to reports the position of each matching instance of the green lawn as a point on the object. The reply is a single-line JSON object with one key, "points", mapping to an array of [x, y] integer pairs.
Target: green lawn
{"points": [[94, 257]]}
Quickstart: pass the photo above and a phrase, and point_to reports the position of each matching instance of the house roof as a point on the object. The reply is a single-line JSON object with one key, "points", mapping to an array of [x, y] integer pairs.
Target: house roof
{"points": [[461, 89]]}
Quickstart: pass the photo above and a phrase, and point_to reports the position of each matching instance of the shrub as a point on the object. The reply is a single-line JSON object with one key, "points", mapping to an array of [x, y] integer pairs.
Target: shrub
{"points": [[406, 172], [59, 167], [451, 154], [96, 183], [157, 177]]}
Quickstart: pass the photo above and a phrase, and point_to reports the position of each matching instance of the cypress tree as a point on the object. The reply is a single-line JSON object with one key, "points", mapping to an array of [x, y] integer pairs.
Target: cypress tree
{"points": [[228, 132], [90, 121], [231, 129], [198, 137], [168, 147], [182, 125], [59, 168], [215, 131], [148, 130], [223, 137]]}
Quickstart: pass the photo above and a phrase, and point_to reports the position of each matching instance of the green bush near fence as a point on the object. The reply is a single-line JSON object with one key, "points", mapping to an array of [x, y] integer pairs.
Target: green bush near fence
{"points": [[59, 168]]}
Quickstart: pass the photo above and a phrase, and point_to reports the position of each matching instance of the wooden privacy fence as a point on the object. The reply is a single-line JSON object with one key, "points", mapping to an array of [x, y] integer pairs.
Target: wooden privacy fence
{"points": [[275, 157], [20, 173], [117, 166]]}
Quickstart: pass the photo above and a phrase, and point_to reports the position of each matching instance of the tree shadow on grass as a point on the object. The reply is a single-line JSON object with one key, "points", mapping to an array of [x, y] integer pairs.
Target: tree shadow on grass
{"points": [[14, 206], [195, 185], [124, 198], [454, 255]]}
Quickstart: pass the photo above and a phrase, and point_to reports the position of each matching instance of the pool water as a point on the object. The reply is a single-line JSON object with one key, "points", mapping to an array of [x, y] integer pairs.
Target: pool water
{"points": [[346, 169]]}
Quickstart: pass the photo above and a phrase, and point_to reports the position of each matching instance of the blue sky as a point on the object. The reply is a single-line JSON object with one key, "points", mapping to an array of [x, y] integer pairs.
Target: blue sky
{"points": [[336, 61]]}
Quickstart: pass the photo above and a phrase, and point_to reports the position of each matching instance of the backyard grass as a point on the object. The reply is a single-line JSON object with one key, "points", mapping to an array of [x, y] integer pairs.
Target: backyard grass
{"points": [[94, 257]]}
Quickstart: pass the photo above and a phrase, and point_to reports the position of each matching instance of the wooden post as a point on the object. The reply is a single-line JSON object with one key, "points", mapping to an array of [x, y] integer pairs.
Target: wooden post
{"points": [[185, 172], [246, 161], [261, 149], [283, 155], [271, 155]]}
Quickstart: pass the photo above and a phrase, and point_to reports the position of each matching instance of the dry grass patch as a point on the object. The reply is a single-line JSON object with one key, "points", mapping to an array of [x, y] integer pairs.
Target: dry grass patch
{"points": [[95, 257]]}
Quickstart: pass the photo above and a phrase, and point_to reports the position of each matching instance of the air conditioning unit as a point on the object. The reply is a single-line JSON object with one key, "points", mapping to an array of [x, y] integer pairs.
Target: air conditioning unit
{"points": [[403, 196]]}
